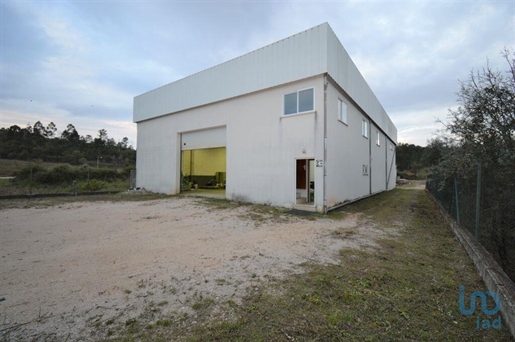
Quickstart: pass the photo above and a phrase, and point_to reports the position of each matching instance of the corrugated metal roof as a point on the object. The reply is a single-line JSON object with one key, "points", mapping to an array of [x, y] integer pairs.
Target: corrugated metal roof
{"points": [[308, 53]]}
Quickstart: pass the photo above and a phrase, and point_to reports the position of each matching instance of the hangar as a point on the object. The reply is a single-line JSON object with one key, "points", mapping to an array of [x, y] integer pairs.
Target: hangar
{"points": [[292, 124]]}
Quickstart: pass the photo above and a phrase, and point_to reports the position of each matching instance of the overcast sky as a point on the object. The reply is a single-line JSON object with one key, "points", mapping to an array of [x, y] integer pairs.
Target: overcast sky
{"points": [[82, 62]]}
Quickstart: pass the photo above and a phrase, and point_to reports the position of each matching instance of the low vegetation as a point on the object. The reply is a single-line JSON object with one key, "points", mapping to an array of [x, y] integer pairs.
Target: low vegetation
{"points": [[49, 178], [58, 201], [405, 289], [477, 154]]}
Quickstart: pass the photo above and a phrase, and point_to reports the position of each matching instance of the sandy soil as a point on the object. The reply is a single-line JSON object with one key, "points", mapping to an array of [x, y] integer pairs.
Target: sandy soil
{"points": [[64, 267]]}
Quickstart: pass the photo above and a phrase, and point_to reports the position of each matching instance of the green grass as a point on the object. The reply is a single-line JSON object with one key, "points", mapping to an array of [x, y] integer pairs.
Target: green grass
{"points": [[407, 289], [258, 213], [18, 187], [8, 187], [56, 201], [9, 166]]}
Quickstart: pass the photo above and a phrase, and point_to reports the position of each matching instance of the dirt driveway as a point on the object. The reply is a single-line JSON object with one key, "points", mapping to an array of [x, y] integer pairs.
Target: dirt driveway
{"points": [[65, 268]]}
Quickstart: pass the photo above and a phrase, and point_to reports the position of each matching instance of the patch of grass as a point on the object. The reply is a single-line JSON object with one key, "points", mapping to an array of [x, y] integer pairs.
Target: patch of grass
{"points": [[56, 201], [259, 213], [343, 233], [164, 323], [9, 166], [220, 281], [267, 210], [405, 290], [219, 203], [203, 304]]}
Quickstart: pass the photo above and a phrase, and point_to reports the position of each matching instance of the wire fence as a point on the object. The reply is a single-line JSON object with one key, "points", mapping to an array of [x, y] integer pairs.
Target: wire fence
{"points": [[483, 202]]}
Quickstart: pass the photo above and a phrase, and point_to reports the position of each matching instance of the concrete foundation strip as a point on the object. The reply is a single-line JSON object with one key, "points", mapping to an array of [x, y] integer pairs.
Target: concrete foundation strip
{"points": [[494, 277]]}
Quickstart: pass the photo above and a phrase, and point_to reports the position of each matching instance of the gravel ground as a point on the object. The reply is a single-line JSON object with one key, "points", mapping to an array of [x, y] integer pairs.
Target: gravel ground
{"points": [[65, 268]]}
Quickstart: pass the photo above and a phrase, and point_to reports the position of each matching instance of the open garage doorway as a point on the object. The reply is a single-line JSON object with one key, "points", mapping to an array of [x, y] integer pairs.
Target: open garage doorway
{"points": [[203, 163]]}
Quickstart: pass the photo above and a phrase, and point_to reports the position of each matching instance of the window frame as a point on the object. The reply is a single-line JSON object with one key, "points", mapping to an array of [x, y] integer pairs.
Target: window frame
{"points": [[342, 103], [364, 128], [298, 101]]}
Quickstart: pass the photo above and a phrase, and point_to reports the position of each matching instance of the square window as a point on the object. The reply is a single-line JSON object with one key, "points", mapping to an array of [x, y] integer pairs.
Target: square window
{"points": [[342, 111], [365, 170], [290, 103], [306, 100], [378, 141]]}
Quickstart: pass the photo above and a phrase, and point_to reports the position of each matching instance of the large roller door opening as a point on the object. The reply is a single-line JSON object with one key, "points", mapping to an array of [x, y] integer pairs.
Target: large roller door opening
{"points": [[203, 163]]}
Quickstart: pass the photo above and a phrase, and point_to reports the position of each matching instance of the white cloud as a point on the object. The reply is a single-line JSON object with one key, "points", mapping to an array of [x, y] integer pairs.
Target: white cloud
{"points": [[103, 54]]}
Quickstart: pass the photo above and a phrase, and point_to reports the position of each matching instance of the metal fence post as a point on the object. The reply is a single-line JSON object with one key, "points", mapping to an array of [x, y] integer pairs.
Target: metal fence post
{"points": [[478, 196], [457, 203]]}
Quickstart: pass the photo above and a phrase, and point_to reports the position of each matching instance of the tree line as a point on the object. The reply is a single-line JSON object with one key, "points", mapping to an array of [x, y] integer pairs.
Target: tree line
{"points": [[410, 157], [476, 154], [40, 142]]}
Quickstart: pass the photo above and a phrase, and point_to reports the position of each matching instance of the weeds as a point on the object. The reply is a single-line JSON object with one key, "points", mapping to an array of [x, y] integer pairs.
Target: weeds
{"points": [[56, 201], [405, 290]]}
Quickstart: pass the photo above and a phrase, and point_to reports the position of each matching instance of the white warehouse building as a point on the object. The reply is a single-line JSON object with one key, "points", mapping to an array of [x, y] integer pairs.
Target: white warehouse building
{"points": [[293, 124]]}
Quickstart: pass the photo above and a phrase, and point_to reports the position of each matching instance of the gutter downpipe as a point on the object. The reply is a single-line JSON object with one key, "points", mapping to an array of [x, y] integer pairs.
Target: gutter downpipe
{"points": [[325, 145], [370, 156]]}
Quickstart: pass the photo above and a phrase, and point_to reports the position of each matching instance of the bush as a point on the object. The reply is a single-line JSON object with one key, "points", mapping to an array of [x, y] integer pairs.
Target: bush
{"points": [[93, 185], [36, 170], [67, 174], [61, 174]]}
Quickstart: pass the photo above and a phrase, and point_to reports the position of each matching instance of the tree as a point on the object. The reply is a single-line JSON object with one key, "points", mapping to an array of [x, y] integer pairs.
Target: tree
{"points": [[124, 143], [482, 131], [70, 134], [39, 130], [486, 117], [14, 133], [50, 130], [87, 139], [38, 142], [102, 135], [407, 155]]}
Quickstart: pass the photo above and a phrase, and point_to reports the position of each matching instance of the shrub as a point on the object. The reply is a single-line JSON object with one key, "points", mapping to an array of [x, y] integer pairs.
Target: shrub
{"points": [[60, 174], [93, 185], [37, 171]]}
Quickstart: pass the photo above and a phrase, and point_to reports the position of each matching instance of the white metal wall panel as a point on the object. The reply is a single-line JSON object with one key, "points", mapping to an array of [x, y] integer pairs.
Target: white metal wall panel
{"points": [[312, 52], [297, 57], [343, 70], [207, 138]]}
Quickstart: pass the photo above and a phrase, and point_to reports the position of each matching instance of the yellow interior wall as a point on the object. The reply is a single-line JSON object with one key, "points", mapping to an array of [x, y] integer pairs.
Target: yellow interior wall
{"points": [[203, 162]]}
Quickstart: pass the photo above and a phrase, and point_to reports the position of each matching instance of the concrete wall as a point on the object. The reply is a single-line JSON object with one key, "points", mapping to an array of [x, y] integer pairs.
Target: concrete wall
{"points": [[494, 277], [262, 144]]}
